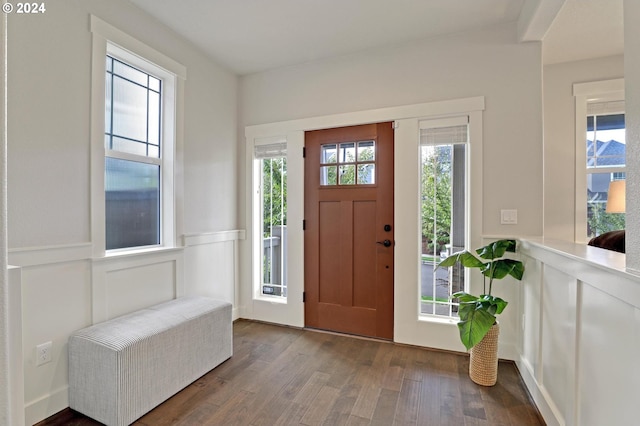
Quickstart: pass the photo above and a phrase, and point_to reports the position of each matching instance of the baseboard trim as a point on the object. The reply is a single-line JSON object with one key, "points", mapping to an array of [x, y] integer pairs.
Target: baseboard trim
{"points": [[47, 406], [546, 407]]}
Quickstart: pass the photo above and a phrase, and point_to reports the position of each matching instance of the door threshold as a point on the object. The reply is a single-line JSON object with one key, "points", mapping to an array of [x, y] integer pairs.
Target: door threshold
{"points": [[341, 333]]}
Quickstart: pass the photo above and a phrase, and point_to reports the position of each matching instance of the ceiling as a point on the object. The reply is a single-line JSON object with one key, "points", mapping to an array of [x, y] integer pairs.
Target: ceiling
{"points": [[249, 36]]}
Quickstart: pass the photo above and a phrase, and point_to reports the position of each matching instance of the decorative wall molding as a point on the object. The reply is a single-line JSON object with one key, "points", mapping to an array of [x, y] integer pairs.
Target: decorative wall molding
{"points": [[31, 256], [213, 237]]}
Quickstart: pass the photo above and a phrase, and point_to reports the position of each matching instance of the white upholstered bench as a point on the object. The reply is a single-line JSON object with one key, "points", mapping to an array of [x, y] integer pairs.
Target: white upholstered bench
{"points": [[122, 368]]}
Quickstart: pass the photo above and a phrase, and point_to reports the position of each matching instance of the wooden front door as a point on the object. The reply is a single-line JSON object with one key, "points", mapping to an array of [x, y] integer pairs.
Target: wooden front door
{"points": [[349, 230]]}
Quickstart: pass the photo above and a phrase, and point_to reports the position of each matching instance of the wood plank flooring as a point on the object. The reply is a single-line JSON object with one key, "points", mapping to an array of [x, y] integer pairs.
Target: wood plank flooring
{"points": [[286, 376]]}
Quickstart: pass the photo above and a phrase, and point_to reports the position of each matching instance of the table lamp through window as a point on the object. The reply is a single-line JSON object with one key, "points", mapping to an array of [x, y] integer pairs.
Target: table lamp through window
{"points": [[616, 197]]}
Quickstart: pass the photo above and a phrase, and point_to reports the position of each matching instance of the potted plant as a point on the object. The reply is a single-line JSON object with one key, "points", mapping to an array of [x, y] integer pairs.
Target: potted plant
{"points": [[478, 324]]}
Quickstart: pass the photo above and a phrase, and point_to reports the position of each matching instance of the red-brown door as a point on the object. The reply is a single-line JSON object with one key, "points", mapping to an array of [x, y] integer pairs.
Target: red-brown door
{"points": [[349, 230]]}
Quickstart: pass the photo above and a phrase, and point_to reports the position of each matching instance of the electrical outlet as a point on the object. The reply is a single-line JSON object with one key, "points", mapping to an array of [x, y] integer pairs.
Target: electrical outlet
{"points": [[43, 353]]}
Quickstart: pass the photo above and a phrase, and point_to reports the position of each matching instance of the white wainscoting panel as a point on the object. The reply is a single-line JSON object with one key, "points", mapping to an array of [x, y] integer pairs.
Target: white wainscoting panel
{"points": [[212, 266], [126, 283], [16, 362], [608, 363], [581, 334], [55, 302], [558, 337], [63, 289], [531, 317]]}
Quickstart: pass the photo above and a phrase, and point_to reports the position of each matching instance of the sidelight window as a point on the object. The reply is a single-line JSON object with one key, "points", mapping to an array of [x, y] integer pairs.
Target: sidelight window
{"points": [[443, 173], [272, 167]]}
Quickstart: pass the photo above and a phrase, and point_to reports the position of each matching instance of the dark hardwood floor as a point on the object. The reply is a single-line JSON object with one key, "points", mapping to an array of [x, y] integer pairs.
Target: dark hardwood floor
{"points": [[286, 376]]}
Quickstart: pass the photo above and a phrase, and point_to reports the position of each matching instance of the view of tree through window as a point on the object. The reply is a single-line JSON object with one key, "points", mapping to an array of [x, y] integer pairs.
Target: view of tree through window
{"points": [[442, 218], [274, 225]]}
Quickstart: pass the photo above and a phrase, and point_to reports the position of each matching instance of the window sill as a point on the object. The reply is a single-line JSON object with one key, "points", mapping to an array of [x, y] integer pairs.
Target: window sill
{"points": [[271, 299], [146, 251], [437, 320]]}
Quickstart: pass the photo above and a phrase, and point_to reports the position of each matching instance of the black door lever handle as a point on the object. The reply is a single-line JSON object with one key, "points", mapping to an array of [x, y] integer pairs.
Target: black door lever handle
{"points": [[386, 243]]}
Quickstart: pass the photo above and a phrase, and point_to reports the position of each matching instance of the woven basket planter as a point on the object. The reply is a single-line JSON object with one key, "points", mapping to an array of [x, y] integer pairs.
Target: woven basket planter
{"points": [[483, 365]]}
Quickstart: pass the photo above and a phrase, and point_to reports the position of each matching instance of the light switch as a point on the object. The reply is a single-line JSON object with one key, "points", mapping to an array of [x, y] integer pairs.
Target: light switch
{"points": [[508, 217]]}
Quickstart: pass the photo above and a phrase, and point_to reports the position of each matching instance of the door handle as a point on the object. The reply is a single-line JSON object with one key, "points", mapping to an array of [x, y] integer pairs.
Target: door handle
{"points": [[386, 243]]}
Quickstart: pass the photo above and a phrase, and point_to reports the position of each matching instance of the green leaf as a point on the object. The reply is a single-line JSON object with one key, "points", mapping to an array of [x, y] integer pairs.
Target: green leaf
{"points": [[475, 325], [494, 305], [464, 297], [464, 257], [503, 267], [496, 249]]}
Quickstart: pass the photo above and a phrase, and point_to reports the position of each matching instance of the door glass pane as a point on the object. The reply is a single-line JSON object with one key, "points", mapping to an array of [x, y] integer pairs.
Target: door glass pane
{"points": [[347, 153], [328, 175], [366, 174], [348, 175], [328, 154], [366, 151], [132, 192]]}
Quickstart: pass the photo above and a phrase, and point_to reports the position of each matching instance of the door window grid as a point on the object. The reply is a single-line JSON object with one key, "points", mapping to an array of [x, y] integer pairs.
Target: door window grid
{"points": [[348, 163]]}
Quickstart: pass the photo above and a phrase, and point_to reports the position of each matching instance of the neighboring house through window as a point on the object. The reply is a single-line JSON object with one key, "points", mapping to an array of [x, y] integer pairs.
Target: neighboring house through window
{"points": [[606, 161], [600, 150]]}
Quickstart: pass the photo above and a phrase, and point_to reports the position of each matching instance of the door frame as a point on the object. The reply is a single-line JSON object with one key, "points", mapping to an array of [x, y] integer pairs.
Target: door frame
{"points": [[408, 327]]}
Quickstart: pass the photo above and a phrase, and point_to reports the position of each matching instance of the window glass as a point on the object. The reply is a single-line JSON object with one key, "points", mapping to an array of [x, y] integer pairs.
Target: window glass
{"points": [[274, 226], [132, 136], [443, 171], [442, 213], [606, 162], [132, 204]]}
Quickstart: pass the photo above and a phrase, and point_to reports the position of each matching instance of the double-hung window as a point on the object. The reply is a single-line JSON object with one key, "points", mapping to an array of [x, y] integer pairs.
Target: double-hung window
{"points": [[136, 118], [443, 171], [133, 156]]}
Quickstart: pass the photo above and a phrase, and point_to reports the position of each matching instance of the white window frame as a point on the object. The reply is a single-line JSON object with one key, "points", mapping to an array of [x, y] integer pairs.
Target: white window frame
{"points": [[585, 93], [462, 120], [257, 213], [108, 40]]}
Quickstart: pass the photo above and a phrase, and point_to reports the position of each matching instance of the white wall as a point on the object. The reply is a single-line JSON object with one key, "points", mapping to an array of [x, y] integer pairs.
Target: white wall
{"points": [[63, 288], [488, 63], [632, 98], [559, 138]]}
